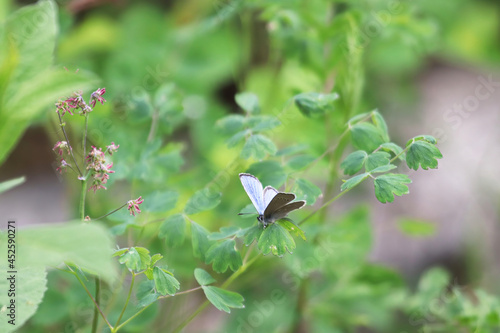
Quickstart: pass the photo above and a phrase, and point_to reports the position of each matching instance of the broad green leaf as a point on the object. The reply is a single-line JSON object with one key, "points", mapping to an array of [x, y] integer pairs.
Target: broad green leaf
{"points": [[145, 257], [155, 258], [380, 124], [202, 200], [433, 283], [291, 150], [173, 230], [383, 168], [356, 118], [351, 182], [276, 239], [120, 252], [248, 101], [415, 227], [223, 255], [236, 139], [313, 104], [160, 201], [366, 137], [292, 227], [231, 124], [253, 234], [353, 162], [269, 173], [425, 138], [389, 185], [88, 246], [202, 277], [141, 107], [131, 259], [424, 154], [393, 148], [31, 284], [224, 233], [305, 190], [377, 159], [165, 282], [258, 146], [222, 299], [199, 240], [262, 123], [299, 162], [8, 184], [146, 293]]}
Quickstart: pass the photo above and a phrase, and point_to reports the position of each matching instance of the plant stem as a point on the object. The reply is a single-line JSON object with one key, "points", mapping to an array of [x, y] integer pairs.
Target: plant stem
{"points": [[113, 211], [154, 125], [126, 302], [95, 321], [82, 198], [325, 205], [70, 148], [84, 143]]}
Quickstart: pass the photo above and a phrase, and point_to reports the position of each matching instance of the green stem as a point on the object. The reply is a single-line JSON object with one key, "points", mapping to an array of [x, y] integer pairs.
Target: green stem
{"points": [[69, 145], [126, 302], [82, 198], [84, 143], [113, 211], [131, 318], [95, 321]]}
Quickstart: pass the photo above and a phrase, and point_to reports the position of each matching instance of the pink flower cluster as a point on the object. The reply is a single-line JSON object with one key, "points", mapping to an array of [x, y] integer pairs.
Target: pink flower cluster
{"points": [[61, 148], [133, 205], [76, 102], [99, 168]]}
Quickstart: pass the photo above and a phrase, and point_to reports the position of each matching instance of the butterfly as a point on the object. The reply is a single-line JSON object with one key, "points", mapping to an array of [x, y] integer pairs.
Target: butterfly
{"points": [[271, 204]]}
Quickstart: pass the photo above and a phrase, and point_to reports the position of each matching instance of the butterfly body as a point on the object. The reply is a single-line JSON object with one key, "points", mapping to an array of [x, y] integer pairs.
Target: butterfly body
{"points": [[271, 205]]}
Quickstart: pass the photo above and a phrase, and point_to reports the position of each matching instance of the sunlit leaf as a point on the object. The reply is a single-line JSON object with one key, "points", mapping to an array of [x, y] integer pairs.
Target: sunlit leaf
{"points": [[276, 239]]}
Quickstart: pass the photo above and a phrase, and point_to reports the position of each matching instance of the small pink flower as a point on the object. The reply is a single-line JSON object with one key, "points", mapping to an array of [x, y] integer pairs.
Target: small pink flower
{"points": [[112, 148], [61, 146], [133, 205], [96, 96], [62, 166]]}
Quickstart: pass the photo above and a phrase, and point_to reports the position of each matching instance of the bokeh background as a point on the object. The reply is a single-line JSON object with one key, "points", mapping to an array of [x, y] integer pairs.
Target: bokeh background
{"points": [[430, 67]]}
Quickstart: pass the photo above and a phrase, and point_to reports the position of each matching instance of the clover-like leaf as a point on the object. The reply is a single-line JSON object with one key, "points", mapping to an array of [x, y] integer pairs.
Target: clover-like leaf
{"points": [[353, 162], [299, 162], [131, 259], [165, 282], [389, 185], [289, 225], [366, 136], [291, 150], [223, 255], [248, 101], [383, 168], [424, 154], [258, 146], [160, 201], [313, 104], [199, 240], [144, 256], [276, 239], [253, 234], [224, 232], [202, 277], [231, 124], [202, 200], [146, 293], [173, 230], [376, 159], [222, 299], [305, 190], [351, 182], [236, 139], [393, 148], [426, 138], [262, 123], [380, 124]]}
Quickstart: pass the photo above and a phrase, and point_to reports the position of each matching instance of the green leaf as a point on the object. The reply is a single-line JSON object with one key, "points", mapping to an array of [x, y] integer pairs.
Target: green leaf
{"points": [[11, 183], [351, 182], [155, 258], [383, 168], [202, 277], [258, 146], [146, 293], [262, 123], [276, 239], [173, 230], [223, 299], [366, 137], [413, 227], [224, 233], [199, 240], [89, 246], [236, 139], [377, 159], [224, 255], [31, 284], [313, 104], [305, 190], [433, 282], [300, 162], [145, 257], [291, 150], [165, 283], [424, 154], [248, 211], [202, 200], [425, 138], [353, 162], [292, 227], [393, 148], [231, 124], [248, 101], [253, 234], [160, 201], [388, 185], [131, 259], [359, 117], [380, 124], [269, 173]]}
